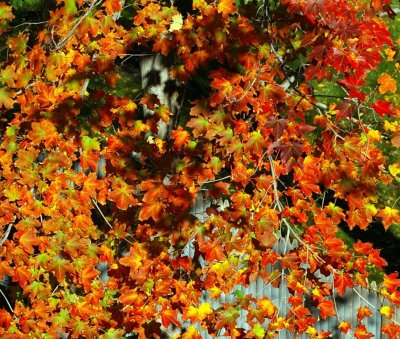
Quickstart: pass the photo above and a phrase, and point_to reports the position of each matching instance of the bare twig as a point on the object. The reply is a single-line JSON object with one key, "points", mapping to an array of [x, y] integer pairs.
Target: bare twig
{"points": [[103, 216], [7, 302], [72, 31], [6, 234]]}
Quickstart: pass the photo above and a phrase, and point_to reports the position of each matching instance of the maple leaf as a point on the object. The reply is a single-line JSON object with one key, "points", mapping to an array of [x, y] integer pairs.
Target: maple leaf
{"points": [[387, 311], [267, 307], [169, 316], [5, 319], [391, 282], [389, 216], [326, 308], [122, 194], [343, 281], [6, 98], [258, 331], [363, 312], [88, 273], [191, 332], [27, 239], [387, 84], [5, 12], [361, 332], [112, 6], [152, 210], [227, 318], [344, 326], [82, 222], [226, 7], [22, 275], [255, 143], [383, 108], [197, 313], [213, 251], [60, 267], [180, 137]]}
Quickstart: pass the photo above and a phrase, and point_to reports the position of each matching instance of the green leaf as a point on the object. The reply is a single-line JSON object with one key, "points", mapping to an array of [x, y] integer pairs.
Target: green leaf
{"points": [[90, 144], [70, 7], [258, 331], [61, 319]]}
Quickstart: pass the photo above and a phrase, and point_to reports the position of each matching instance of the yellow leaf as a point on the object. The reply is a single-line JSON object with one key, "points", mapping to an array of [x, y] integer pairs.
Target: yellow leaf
{"points": [[387, 311], [394, 169], [177, 23], [267, 307], [191, 333], [390, 54], [215, 292], [387, 84], [204, 310], [374, 135], [226, 7], [197, 314], [388, 126]]}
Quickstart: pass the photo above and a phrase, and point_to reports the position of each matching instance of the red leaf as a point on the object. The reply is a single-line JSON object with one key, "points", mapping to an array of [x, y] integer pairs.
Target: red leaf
{"points": [[383, 108]]}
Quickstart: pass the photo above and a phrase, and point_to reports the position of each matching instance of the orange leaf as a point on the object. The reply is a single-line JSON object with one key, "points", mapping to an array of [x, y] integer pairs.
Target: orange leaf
{"points": [[27, 239], [390, 282], [342, 281], [82, 222], [387, 311], [327, 308], [213, 251], [22, 276], [226, 7], [197, 313], [361, 333], [122, 194], [5, 319], [363, 312], [387, 84], [88, 273], [60, 266], [389, 216], [180, 137], [344, 326], [152, 210], [169, 316], [267, 307]]}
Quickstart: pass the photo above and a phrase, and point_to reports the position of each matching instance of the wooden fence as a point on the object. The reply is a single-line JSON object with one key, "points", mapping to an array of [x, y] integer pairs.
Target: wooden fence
{"points": [[346, 305]]}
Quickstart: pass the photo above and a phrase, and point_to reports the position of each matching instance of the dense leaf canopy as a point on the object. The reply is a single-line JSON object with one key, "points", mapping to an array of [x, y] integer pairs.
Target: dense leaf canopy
{"points": [[284, 125]]}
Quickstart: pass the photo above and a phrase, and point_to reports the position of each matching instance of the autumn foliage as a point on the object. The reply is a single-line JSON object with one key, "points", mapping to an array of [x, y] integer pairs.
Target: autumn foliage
{"points": [[266, 135]]}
